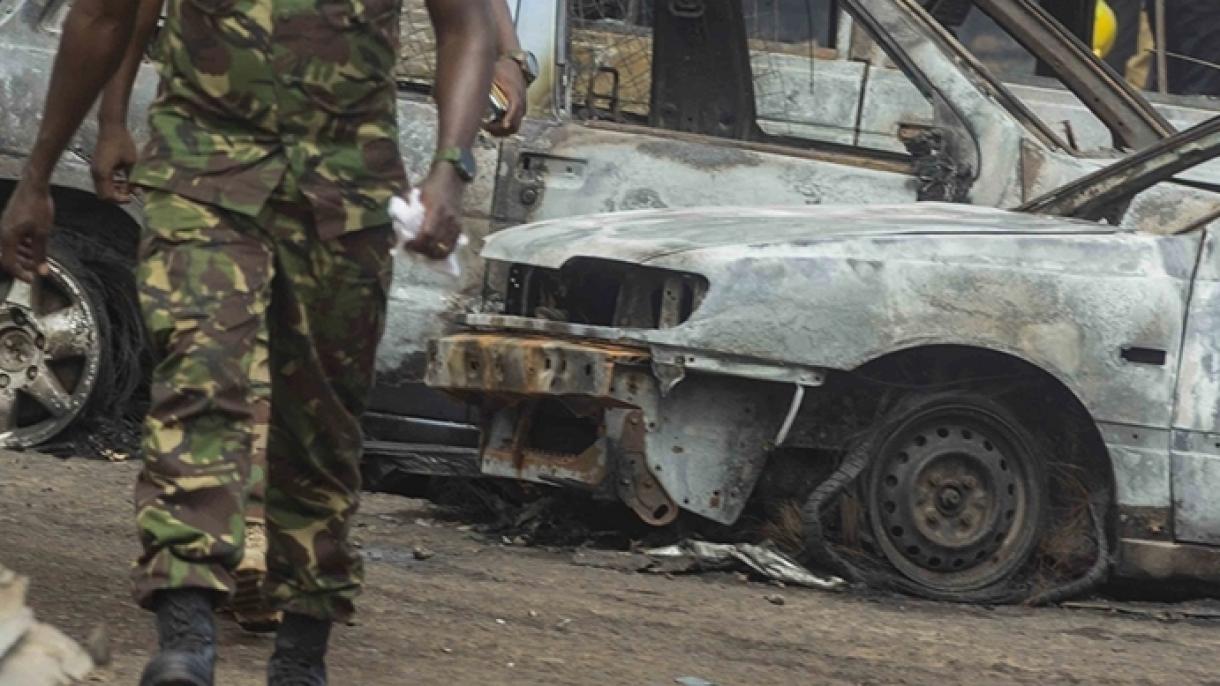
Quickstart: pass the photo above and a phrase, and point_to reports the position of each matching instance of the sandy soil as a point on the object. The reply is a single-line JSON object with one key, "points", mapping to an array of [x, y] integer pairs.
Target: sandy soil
{"points": [[481, 612]]}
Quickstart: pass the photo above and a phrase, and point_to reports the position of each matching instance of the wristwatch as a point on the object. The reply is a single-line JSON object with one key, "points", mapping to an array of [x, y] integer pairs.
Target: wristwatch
{"points": [[462, 160], [528, 63]]}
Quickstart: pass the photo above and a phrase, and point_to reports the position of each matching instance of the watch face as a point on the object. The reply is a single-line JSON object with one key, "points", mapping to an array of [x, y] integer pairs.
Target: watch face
{"points": [[531, 65], [528, 63], [466, 165]]}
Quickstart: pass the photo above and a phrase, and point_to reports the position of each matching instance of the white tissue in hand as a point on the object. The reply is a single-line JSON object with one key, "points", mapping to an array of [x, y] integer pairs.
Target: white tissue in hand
{"points": [[407, 216]]}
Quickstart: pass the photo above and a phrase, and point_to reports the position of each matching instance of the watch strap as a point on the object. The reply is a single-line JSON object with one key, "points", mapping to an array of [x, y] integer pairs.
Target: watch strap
{"points": [[525, 61], [462, 160]]}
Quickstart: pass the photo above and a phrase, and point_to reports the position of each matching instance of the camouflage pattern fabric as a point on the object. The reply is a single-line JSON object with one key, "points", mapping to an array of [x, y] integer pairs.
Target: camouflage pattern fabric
{"points": [[253, 91], [211, 282], [260, 393]]}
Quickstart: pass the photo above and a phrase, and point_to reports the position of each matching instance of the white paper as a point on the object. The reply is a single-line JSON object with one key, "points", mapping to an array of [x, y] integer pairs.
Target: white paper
{"points": [[407, 216]]}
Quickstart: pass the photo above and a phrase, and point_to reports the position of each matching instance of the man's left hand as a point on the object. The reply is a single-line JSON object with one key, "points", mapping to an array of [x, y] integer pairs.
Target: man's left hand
{"points": [[113, 158], [508, 77]]}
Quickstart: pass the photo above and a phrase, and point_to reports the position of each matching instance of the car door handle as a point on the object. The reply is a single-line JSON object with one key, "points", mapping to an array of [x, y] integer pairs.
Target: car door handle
{"points": [[1137, 355]]}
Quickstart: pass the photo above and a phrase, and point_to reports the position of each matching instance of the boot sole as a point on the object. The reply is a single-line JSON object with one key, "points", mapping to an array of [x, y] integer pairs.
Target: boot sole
{"points": [[173, 670]]}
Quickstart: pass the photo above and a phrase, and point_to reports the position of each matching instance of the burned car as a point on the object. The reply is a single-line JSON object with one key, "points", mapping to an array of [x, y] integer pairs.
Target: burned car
{"points": [[947, 383]]}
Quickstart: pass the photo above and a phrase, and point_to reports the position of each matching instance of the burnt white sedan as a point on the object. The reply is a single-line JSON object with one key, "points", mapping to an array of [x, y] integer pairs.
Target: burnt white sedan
{"points": [[958, 400]]}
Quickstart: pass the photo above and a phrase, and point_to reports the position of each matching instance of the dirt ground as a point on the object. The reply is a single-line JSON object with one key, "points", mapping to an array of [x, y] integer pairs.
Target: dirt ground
{"points": [[482, 612]]}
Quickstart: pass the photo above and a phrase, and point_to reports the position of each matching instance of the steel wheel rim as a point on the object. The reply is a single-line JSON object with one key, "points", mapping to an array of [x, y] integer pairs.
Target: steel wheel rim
{"points": [[49, 356], [951, 498]]}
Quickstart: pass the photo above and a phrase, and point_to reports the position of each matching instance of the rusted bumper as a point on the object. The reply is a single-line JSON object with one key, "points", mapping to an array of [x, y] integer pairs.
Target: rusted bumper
{"points": [[527, 366], [558, 412], [614, 420]]}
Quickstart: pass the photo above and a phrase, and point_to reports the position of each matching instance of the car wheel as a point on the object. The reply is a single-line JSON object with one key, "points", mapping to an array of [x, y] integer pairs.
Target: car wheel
{"points": [[955, 494], [50, 352]]}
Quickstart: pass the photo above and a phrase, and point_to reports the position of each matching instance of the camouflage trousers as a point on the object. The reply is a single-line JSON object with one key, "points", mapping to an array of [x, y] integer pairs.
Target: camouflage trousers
{"points": [[245, 314]]}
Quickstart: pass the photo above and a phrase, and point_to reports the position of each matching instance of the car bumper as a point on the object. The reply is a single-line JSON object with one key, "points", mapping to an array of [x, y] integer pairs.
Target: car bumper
{"points": [[559, 412]]}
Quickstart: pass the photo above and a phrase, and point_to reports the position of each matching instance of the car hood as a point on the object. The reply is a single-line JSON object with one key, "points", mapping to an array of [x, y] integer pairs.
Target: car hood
{"points": [[648, 234]]}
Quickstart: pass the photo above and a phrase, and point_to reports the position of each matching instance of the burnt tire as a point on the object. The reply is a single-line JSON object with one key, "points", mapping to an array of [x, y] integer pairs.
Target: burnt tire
{"points": [[953, 488]]}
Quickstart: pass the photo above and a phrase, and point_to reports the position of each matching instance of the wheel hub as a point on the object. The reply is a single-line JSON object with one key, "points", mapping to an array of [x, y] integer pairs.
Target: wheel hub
{"points": [[947, 495], [19, 350], [949, 500]]}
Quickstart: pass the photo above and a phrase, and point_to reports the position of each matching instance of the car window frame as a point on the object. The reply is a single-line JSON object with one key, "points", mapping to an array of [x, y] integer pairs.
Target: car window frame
{"points": [[1103, 194]]}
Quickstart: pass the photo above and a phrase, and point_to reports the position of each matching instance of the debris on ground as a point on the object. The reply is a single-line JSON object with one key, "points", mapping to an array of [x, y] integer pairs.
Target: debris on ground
{"points": [[1208, 608], [114, 439], [764, 560], [520, 514], [32, 653]]}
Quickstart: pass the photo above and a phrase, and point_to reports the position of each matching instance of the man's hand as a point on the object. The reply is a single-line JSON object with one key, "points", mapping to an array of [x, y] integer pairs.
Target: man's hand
{"points": [[441, 194], [24, 228], [508, 77], [113, 159]]}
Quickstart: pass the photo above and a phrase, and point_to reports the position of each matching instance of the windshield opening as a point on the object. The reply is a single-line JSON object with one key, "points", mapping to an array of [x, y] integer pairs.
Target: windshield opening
{"points": [[1079, 101]]}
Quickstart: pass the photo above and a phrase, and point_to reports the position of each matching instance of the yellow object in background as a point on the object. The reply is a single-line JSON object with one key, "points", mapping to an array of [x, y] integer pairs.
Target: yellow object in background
{"points": [[1105, 29]]}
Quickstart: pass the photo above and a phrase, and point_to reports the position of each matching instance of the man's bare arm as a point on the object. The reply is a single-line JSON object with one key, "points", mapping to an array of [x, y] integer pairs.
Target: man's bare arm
{"points": [[115, 152], [94, 39], [115, 98], [506, 32], [465, 50]]}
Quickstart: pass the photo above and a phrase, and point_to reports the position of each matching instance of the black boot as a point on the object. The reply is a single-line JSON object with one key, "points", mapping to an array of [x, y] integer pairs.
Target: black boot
{"points": [[187, 638], [300, 652]]}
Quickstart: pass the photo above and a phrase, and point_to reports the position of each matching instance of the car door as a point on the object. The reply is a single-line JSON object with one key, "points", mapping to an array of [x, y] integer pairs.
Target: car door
{"points": [[620, 150], [1167, 476], [1195, 444]]}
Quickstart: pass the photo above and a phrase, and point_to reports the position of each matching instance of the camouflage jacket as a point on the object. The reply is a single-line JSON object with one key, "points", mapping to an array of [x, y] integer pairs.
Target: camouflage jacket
{"points": [[260, 95]]}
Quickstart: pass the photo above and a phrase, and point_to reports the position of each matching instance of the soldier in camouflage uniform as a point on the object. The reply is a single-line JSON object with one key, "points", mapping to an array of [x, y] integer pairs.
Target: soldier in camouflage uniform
{"points": [[273, 157], [113, 158]]}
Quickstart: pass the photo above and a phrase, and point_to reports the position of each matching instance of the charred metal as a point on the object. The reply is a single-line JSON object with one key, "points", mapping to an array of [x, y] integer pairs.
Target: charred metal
{"points": [[604, 293], [905, 356]]}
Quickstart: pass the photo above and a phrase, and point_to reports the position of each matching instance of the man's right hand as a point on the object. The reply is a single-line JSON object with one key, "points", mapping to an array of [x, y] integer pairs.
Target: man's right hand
{"points": [[441, 194], [113, 158], [24, 228]]}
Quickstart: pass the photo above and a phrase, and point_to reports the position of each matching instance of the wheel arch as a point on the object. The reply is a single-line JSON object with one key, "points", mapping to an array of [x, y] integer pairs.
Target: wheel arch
{"points": [[979, 362], [75, 206]]}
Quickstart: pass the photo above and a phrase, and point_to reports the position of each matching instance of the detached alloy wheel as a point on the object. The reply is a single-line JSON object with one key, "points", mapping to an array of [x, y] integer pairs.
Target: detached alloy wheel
{"points": [[49, 354], [956, 494]]}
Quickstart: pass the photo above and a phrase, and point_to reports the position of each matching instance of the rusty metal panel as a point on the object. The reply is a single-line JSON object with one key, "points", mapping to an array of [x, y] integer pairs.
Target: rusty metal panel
{"points": [[505, 453], [527, 366], [708, 441], [701, 447]]}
